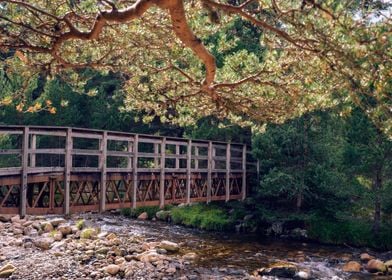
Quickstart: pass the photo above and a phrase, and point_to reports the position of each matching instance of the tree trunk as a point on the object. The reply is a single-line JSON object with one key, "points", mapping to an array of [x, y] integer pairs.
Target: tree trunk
{"points": [[377, 186]]}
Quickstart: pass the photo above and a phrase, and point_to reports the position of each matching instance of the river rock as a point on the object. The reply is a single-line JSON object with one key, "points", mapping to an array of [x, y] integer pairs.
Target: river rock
{"points": [[5, 218], [148, 256], [169, 246], [190, 256], [352, 266], [57, 221], [143, 216], [64, 229], [43, 242], [163, 215], [47, 226], [365, 257], [302, 275], [280, 269], [58, 236], [111, 236], [15, 219], [375, 266], [7, 270], [112, 269]]}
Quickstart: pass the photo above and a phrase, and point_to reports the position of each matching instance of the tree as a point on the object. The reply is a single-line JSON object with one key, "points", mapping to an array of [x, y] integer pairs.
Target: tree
{"points": [[368, 156], [318, 53]]}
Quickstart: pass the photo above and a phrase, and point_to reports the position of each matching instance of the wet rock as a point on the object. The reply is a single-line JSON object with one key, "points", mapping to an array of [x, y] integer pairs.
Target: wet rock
{"points": [[190, 256], [47, 226], [169, 246], [43, 242], [302, 275], [299, 233], [375, 266], [112, 269], [143, 216], [64, 229], [280, 269], [352, 266], [365, 257], [7, 270], [5, 218], [163, 215], [57, 221]]}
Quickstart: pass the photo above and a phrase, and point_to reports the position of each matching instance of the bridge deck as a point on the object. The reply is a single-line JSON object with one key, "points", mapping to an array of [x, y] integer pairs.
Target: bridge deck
{"points": [[67, 170]]}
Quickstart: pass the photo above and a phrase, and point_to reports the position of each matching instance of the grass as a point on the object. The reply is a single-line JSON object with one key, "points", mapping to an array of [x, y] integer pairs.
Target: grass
{"points": [[208, 217], [150, 210], [80, 224]]}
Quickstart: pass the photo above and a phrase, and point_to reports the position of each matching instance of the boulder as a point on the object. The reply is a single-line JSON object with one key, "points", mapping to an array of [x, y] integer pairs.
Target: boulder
{"points": [[148, 256], [352, 266], [64, 229], [163, 215], [58, 236], [112, 269], [143, 216], [57, 221], [5, 218], [15, 219], [280, 269], [365, 257], [169, 246], [375, 266], [43, 242], [302, 275], [7, 270], [47, 226], [388, 264]]}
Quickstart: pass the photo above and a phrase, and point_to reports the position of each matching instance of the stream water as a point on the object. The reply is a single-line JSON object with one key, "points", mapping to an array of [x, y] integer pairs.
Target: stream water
{"points": [[235, 255]]}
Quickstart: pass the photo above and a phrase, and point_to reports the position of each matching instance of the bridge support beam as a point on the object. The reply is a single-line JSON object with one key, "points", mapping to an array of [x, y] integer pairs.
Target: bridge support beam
{"points": [[228, 166], [67, 170], [162, 175], [25, 164], [188, 171], [243, 190], [102, 166], [134, 166], [209, 174]]}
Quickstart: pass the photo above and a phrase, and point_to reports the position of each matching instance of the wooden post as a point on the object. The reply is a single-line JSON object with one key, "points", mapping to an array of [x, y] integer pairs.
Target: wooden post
{"points": [[156, 152], [177, 154], [33, 148], [129, 150], [134, 166], [102, 166], [243, 190], [209, 174], [213, 157], [196, 159], [162, 175], [188, 171], [25, 164], [228, 166], [67, 170]]}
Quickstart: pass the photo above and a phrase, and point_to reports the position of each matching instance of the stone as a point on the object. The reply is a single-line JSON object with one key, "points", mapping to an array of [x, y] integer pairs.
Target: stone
{"points": [[365, 257], [47, 226], [280, 269], [143, 216], [112, 269], [148, 257], [15, 219], [119, 260], [64, 229], [163, 215], [43, 242], [58, 236], [102, 234], [375, 266], [102, 250], [302, 275], [190, 256], [7, 270], [388, 264], [57, 221], [5, 218], [352, 266], [111, 236], [169, 246]]}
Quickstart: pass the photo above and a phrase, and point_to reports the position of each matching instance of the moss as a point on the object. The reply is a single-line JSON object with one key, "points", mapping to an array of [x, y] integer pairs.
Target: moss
{"points": [[88, 233], [208, 217], [80, 224]]}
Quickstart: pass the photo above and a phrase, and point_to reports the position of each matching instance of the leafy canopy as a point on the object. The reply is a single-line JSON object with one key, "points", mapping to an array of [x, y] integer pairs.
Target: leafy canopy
{"points": [[250, 61]]}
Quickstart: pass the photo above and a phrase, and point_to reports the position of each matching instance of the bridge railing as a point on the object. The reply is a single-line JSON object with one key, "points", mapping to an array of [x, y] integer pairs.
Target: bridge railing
{"points": [[29, 150]]}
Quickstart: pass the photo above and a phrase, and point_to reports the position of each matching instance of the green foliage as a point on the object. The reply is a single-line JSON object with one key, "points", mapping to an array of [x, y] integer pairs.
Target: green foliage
{"points": [[80, 224], [208, 217]]}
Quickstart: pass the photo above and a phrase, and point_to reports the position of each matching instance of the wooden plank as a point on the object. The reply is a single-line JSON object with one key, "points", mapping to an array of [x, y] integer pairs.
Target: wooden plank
{"points": [[33, 152], [32, 170], [86, 152], [209, 175], [130, 154], [10, 171], [120, 138], [10, 151], [25, 163], [102, 166], [188, 171], [118, 154], [177, 142], [135, 169], [149, 140], [67, 170], [177, 156], [86, 136], [10, 132], [156, 155], [48, 133], [33, 148], [228, 167], [162, 174], [243, 187]]}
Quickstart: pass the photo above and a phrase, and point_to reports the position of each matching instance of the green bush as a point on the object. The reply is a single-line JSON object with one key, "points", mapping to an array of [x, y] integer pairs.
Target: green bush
{"points": [[208, 217]]}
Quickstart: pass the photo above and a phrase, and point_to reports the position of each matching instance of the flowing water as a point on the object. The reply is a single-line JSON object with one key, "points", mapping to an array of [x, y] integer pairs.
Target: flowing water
{"points": [[234, 255]]}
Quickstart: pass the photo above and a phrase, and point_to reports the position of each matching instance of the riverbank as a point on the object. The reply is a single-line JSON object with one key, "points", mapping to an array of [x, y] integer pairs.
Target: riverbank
{"points": [[108, 246]]}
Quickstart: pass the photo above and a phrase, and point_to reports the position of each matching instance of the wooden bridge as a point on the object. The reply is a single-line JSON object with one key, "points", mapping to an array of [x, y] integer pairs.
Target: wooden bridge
{"points": [[66, 170]]}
